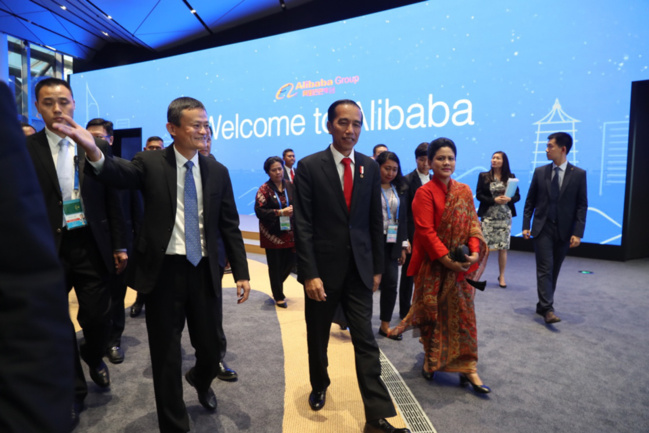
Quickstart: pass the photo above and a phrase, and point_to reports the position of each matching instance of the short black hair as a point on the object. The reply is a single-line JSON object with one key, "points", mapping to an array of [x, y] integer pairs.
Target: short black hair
{"points": [[51, 82], [154, 138], [437, 144], [377, 146], [270, 161], [286, 151], [106, 124], [563, 139], [391, 156], [175, 110], [27, 125], [421, 150], [331, 112]]}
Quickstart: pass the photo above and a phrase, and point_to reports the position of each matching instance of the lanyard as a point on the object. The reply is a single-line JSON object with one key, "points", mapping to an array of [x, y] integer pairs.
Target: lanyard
{"points": [[279, 201], [387, 203], [76, 172]]}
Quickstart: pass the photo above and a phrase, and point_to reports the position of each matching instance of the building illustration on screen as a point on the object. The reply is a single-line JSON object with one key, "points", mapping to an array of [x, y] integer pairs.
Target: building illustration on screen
{"points": [[556, 120]]}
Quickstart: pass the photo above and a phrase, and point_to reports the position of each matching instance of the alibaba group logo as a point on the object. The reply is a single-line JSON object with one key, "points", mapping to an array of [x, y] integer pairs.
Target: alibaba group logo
{"points": [[286, 91]]}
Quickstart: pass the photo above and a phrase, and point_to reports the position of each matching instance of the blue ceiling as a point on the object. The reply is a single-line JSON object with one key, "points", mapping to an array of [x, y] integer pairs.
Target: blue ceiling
{"points": [[81, 28]]}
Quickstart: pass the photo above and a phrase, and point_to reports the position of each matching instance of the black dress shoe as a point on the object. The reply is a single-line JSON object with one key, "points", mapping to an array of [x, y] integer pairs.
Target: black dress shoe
{"points": [[100, 375], [428, 375], [136, 309], [317, 399], [206, 398], [77, 407], [226, 374], [283, 304], [398, 337], [115, 355], [382, 426], [480, 389]]}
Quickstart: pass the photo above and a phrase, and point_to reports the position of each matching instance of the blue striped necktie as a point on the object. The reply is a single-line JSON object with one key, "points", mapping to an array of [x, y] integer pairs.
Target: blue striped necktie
{"points": [[192, 233]]}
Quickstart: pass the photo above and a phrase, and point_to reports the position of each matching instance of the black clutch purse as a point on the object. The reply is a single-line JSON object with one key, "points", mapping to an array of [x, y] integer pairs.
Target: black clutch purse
{"points": [[458, 255]]}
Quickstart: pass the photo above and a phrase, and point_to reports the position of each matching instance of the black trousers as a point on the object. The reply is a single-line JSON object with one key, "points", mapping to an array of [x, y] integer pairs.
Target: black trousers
{"points": [[86, 272], [118, 316], [182, 292], [405, 288], [280, 263], [550, 252], [388, 285], [356, 301]]}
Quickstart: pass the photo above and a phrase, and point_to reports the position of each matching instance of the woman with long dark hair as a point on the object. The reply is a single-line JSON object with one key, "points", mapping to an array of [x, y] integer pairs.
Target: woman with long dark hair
{"points": [[496, 209], [394, 193]]}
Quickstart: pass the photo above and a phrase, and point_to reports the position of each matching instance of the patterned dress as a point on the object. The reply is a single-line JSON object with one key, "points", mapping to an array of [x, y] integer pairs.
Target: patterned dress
{"points": [[442, 304], [497, 222]]}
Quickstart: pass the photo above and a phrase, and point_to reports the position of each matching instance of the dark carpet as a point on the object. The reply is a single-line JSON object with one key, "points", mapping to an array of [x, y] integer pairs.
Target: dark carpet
{"points": [[586, 374]]}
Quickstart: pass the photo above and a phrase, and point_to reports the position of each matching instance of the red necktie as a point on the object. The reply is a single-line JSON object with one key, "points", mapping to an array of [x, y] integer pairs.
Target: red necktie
{"points": [[348, 183], [292, 175]]}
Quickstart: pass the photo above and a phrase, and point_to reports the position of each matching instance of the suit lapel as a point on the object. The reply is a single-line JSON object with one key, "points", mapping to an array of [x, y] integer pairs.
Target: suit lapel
{"points": [[169, 170], [81, 157], [566, 178], [45, 157], [548, 178], [331, 173], [205, 177]]}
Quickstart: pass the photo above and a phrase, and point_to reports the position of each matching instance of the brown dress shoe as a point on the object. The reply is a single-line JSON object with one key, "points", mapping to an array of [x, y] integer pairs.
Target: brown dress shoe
{"points": [[550, 317]]}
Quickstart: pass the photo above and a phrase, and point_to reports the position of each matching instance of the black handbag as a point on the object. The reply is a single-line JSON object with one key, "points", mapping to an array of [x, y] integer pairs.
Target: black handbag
{"points": [[458, 255]]}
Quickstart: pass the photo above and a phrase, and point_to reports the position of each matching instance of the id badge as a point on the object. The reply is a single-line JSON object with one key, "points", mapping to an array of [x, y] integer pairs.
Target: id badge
{"points": [[392, 233], [73, 213], [284, 223]]}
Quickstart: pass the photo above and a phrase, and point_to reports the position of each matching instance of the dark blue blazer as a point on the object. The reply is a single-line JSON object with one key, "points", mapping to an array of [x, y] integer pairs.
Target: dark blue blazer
{"points": [[327, 235], [572, 205]]}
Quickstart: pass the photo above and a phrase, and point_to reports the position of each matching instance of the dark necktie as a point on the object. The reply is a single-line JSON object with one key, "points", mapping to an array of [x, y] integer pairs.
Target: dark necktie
{"points": [[192, 232], [554, 195], [348, 183]]}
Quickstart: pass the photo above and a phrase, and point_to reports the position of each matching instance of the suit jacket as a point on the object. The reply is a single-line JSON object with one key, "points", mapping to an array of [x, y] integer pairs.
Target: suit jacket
{"points": [[36, 338], [327, 235], [572, 204], [102, 205], [286, 175], [154, 172], [402, 230], [486, 199], [414, 182]]}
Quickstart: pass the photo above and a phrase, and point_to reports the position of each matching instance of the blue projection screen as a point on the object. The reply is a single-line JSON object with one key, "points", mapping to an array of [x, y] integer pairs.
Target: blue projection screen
{"points": [[492, 76]]}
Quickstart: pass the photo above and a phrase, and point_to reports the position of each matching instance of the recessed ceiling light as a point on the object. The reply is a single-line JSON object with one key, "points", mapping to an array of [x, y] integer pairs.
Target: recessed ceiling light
{"points": [[109, 17], [193, 11], [105, 34], [64, 8]]}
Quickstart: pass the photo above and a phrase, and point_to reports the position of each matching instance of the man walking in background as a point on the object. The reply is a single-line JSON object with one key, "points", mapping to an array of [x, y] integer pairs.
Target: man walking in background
{"points": [[558, 200]]}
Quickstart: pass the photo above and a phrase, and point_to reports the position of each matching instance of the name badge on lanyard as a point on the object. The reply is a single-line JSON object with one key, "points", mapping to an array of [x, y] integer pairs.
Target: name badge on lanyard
{"points": [[73, 209], [391, 236], [284, 221]]}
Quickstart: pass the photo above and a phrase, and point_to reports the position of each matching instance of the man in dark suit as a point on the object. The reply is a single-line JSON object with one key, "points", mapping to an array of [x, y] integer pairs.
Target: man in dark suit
{"points": [[558, 200], [175, 261], [289, 161], [88, 251], [36, 354], [339, 241], [415, 179], [131, 205]]}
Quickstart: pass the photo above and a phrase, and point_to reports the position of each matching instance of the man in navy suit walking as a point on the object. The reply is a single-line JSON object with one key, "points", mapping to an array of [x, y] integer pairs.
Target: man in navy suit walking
{"points": [[339, 241], [558, 200]]}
